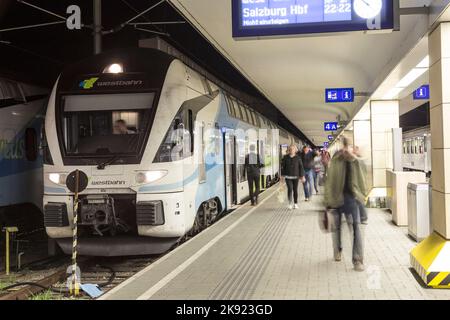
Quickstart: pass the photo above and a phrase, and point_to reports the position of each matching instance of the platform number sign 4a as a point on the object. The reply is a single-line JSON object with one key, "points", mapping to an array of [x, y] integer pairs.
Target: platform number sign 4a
{"points": [[330, 126]]}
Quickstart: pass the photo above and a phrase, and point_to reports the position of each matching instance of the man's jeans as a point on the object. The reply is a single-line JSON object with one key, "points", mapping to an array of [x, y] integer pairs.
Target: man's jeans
{"points": [[352, 216], [308, 184]]}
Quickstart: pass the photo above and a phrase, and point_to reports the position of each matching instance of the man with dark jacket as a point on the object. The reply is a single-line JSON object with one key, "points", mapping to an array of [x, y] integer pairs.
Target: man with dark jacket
{"points": [[253, 167], [307, 156]]}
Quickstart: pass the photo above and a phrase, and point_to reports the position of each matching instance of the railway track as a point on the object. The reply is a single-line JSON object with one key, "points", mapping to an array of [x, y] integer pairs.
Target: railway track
{"points": [[46, 279], [44, 284]]}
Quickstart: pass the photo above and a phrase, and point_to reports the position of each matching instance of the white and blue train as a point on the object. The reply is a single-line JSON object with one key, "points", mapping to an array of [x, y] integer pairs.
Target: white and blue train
{"points": [[22, 108], [161, 144], [417, 150]]}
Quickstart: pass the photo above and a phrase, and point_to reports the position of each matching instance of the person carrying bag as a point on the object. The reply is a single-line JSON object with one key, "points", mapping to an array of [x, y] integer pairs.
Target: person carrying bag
{"points": [[345, 189]]}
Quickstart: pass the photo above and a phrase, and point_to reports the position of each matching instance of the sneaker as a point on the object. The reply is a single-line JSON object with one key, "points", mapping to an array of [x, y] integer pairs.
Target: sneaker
{"points": [[358, 266], [365, 222], [295, 206], [307, 199], [338, 256], [290, 207]]}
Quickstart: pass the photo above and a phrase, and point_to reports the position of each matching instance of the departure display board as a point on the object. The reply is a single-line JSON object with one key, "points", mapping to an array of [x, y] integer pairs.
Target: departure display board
{"points": [[259, 18]]}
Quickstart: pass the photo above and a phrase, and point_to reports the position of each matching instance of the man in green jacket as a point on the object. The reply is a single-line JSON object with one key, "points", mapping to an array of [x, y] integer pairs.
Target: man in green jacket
{"points": [[345, 190]]}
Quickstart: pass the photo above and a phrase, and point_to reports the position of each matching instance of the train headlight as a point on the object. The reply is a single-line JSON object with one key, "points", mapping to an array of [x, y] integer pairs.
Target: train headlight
{"points": [[150, 176], [57, 178], [114, 68]]}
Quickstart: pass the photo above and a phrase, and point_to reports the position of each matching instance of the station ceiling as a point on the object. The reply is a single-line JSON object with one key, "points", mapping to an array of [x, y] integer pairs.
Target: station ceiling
{"points": [[294, 72], [38, 55]]}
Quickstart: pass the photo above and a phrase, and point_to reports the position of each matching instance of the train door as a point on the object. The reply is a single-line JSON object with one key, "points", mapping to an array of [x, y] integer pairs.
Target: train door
{"points": [[230, 170], [260, 151], [275, 155]]}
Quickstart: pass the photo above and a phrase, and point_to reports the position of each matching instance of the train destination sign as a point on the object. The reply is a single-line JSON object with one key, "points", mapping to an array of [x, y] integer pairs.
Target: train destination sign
{"points": [[330, 126], [339, 95], [259, 18]]}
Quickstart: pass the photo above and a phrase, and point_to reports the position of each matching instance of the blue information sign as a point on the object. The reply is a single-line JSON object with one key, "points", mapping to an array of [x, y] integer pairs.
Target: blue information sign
{"points": [[339, 95], [326, 144], [423, 93], [256, 18], [330, 138], [330, 126]]}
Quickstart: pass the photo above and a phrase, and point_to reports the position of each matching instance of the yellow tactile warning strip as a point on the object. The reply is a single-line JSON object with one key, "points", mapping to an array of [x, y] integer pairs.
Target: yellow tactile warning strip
{"points": [[423, 256]]}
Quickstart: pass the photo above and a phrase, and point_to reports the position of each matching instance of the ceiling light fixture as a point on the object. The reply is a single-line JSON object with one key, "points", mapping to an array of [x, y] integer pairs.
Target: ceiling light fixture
{"points": [[408, 79]]}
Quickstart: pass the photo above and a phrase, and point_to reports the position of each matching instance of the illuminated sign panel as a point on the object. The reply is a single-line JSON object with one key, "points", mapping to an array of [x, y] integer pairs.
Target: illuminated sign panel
{"points": [[339, 95], [423, 93], [330, 126], [259, 18]]}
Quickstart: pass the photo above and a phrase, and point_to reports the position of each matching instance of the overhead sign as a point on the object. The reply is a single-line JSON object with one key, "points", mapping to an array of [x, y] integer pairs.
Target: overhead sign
{"points": [[258, 18], [339, 95], [325, 144], [423, 93], [330, 138], [330, 126]]}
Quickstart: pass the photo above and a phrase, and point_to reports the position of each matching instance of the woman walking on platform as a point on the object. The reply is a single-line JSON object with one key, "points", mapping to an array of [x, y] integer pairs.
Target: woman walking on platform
{"points": [[292, 171]]}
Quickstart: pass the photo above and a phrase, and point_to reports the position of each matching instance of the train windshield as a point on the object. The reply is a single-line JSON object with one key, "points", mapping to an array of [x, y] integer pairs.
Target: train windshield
{"points": [[105, 124]]}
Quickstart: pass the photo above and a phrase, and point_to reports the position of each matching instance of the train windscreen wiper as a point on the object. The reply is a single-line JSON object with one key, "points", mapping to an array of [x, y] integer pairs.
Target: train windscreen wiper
{"points": [[108, 162]]}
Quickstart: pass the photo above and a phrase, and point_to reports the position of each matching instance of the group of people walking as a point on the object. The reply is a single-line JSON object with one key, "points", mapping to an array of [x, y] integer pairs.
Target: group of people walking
{"points": [[307, 166], [345, 188]]}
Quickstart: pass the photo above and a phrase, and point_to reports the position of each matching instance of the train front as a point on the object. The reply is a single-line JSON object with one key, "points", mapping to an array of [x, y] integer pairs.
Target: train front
{"points": [[99, 120]]}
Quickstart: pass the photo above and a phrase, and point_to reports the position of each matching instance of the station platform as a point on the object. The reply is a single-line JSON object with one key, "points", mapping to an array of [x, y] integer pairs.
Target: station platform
{"points": [[270, 252]]}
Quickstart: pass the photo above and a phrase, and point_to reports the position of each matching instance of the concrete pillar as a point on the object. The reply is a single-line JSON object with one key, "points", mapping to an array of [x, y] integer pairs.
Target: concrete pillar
{"points": [[362, 139], [439, 50], [431, 258], [384, 116]]}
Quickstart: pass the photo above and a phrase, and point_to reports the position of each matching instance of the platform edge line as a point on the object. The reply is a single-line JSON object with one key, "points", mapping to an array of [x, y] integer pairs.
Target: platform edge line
{"points": [[162, 259], [164, 281]]}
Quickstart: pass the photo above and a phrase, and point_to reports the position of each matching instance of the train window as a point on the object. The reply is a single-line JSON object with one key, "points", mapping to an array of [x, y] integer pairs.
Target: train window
{"points": [[244, 113], [243, 150], [31, 147], [177, 143], [247, 112], [237, 110], [229, 106], [202, 164], [253, 118], [46, 155], [258, 120], [191, 129], [105, 124]]}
